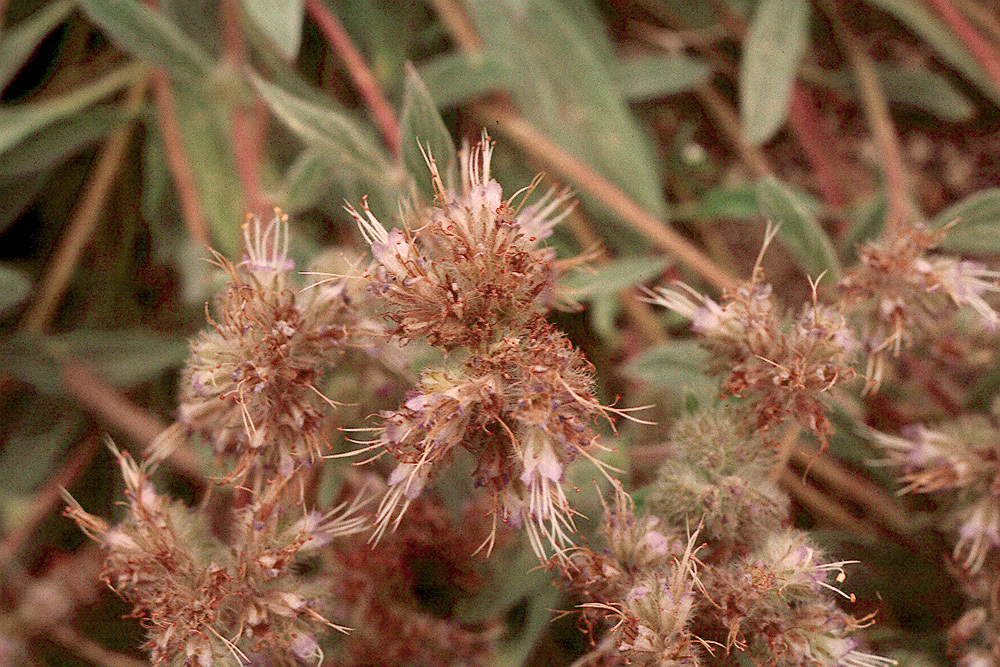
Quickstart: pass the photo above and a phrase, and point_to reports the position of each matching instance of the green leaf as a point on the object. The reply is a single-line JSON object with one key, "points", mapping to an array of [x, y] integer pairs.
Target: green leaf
{"points": [[281, 21], [719, 202], [658, 76], [558, 66], [868, 218], [928, 91], [800, 231], [678, 365], [61, 140], [20, 121], [454, 77], [420, 125], [14, 288], [149, 35], [977, 229], [126, 358], [610, 278], [917, 87], [776, 41], [19, 43], [306, 182], [916, 17], [341, 140], [36, 436], [204, 125]]}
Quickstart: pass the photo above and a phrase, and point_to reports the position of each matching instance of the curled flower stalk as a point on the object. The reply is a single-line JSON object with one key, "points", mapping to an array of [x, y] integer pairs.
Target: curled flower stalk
{"points": [[471, 276]]}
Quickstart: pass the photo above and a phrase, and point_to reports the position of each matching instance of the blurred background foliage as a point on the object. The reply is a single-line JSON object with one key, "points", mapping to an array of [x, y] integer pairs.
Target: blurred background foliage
{"points": [[134, 135]]}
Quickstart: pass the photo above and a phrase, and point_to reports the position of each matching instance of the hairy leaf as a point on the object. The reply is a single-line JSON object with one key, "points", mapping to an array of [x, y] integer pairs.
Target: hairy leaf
{"points": [[773, 50], [421, 126], [799, 229]]}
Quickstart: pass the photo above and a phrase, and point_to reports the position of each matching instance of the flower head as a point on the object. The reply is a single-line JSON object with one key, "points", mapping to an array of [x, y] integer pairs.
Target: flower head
{"points": [[250, 383], [469, 268]]}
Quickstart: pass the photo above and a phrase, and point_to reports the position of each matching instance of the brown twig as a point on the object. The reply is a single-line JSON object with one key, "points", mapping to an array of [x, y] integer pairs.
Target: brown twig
{"points": [[83, 221], [807, 126], [89, 650], [728, 121], [877, 110], [365, 82], [535, 143], [824, 507], [93, 394], [986, 17], [453, 13], [45, 500]]}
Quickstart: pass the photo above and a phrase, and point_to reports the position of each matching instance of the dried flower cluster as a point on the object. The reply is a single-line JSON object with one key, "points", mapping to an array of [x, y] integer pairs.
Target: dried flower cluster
{"points": [[735, 581], [250, 385], [469, 276], [250, 389], [959, 462], [781, 364], [902, 288], [205, 601]]}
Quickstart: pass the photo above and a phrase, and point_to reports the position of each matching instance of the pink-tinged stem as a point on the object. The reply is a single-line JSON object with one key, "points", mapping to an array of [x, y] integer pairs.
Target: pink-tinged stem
{"points": [[245, 120], [360, 73], [977, 45], [177, 160], [804, 119]]}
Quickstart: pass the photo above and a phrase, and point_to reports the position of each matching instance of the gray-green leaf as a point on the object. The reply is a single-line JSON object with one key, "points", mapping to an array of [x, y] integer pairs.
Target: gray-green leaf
{"points": [[658, 76], [679, 365], [776, 41], [977, 229], [281, 21], [14, 288], [922, 22], [339, 138], [420, 125], [800, 231], [19, 121], [149, 35]]}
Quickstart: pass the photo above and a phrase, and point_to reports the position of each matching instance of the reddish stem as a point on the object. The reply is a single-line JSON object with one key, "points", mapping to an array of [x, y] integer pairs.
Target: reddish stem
{"points": [[977, 45], [365, 82], [177, 160], [804, 120], [245, 120]]}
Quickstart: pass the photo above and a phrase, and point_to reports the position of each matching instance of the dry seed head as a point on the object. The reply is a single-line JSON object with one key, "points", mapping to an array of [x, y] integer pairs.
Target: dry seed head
{"points": [[904, 289], [251, 382], [781, 364], [470, 268]]}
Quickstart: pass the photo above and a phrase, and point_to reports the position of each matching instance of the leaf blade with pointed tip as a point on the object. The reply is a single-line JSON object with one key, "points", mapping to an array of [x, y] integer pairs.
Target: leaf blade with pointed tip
{"points": [[21, 41], [918, 19], [421, 125], [799, 230], [19, 121], [324, 128], [775, 43], [281, 21], [150, 36], [976, 223]]}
